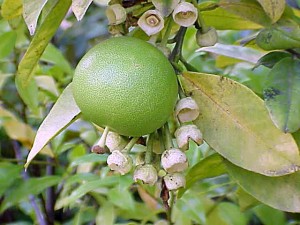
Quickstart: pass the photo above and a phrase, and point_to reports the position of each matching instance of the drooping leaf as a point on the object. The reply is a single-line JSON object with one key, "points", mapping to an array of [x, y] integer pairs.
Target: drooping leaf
{"points": [[281, 193], [247, 9], [63, 113], [7, 43], [234, 51], [235, 122], [271, 58], [165, 6], [79, 7], [210, 166], [11, 9], [85, 188], [31, 12], [273, 8], [282, 93], [33, 186], [39, 42], [221, 19]]}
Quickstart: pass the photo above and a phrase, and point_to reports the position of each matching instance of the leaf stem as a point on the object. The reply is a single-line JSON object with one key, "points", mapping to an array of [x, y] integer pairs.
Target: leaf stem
{"points": [[175, 54], [168, 32]]}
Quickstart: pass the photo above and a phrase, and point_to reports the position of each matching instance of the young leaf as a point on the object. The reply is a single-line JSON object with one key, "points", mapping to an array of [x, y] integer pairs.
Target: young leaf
{"points": [[273, 8], [79, 7], [33, 186], [235, 122], [282, 93], [237, 52], [210, 166], [63, 113], [281, 193], [31, 12], [11, 9], [39, 42]]}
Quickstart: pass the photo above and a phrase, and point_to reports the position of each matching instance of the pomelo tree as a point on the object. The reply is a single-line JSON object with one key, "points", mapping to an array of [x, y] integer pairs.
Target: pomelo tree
{"points": [[149, 112]]}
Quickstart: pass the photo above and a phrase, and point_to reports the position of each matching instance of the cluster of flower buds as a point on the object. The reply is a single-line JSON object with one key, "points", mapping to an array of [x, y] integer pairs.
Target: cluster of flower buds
{"points": [[152, 21]]}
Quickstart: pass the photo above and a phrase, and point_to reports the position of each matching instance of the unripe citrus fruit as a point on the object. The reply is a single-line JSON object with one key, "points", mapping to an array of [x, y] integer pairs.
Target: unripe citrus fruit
{"points": [[126, 84]]}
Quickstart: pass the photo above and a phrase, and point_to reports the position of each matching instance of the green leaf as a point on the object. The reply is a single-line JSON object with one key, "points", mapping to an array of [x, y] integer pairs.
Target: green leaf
{"points": [[54, 56], [84, 189], [64, 112], [11, 9], [271, 58], [235, 122], [33, 186], [31, 12], [245, 200], [47, 83], [39, 42], [273, 8], [221, 19], [106, 214], [238, 52], [79, 7], [247, 9], [8, 174], [270, 216], [122, 198], [281, 193], [210, 166], [281, 94], [7, 43], [88, 159]]}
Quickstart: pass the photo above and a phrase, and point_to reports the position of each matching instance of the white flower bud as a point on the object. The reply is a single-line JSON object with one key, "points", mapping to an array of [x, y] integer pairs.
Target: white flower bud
{"points": [[114, 141], [174, 160], [147, 174], [186, 110], [120, 162], [174, 181], [151, 22], [209, 38], [116, 14], [165, 7], [184, 133], [185, 14]]}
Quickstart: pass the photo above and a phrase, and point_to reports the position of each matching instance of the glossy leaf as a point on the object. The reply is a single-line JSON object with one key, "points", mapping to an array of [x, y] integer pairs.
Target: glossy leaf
{"points": [[247, 9], [63, 113], [281, 94], [281, 193], [221, 19], [235, 122], [211, 166], [33, 186], [7, 43], [39, 42], [11, 9], [84, 189], [233, 51], [79, 7], [273, 8], [31, 12]]}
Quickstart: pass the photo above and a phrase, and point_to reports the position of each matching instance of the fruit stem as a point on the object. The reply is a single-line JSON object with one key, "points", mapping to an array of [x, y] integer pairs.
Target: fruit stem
{"points": [[168, 137], [148, 156], [100, 145], [174, 56], [188, 66], [131, 143], [168, 31]]}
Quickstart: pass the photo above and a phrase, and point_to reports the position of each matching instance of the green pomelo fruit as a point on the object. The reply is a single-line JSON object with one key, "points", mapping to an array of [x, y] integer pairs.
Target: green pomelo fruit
{"points": [[126, 84]]}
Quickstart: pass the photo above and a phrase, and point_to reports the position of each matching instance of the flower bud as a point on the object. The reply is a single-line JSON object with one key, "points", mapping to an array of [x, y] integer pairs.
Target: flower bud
{"points": [[147, 174], [184, 133], [151, 22], [115, 141], [174, 181], [116, 14], [186, 110], [185, 14], [174, 160], [209, 38], [120, 162], [165, 7]]}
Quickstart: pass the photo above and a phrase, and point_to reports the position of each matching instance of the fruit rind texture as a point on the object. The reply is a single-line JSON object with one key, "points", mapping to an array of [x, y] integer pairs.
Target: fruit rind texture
{"points": [[126, 84]]}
